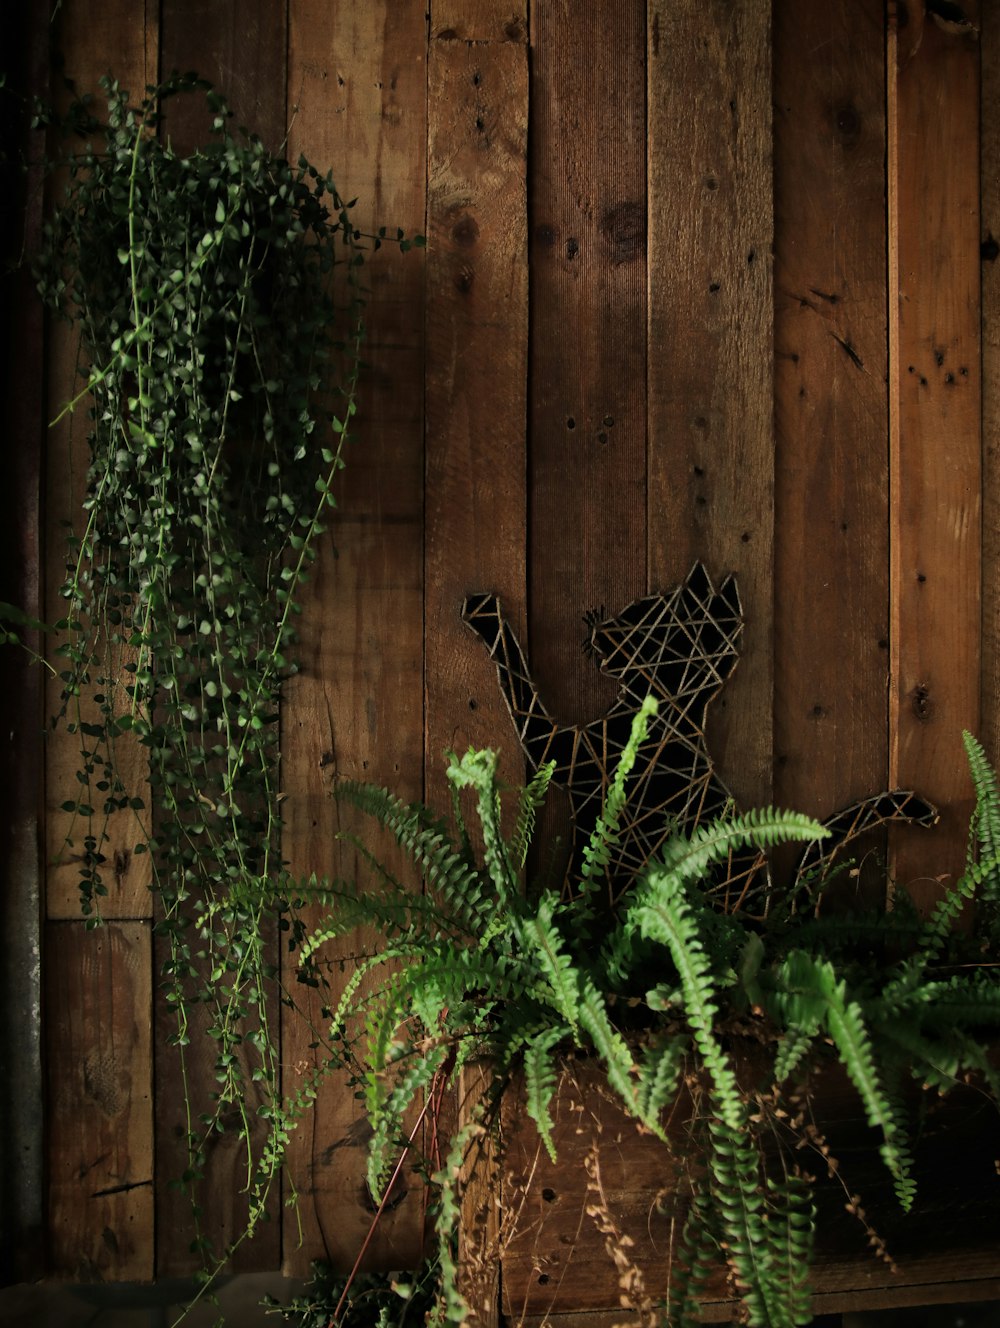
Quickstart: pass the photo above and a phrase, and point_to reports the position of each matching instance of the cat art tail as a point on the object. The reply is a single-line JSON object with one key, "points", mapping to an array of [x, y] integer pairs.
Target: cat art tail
{"points": [[536, 728], [845, 826]]}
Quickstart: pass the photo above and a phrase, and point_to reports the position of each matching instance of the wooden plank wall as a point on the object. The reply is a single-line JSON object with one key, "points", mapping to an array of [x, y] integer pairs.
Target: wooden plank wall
{"points": [[702, 282]]}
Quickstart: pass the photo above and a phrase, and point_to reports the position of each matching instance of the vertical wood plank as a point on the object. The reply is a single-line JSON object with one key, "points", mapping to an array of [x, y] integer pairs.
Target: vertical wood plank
{"points": [[357, 76], [831, 639], [935, 459], [711, 443], [990, 251], [24, 36], [98, 1017], [477, 324], [87, 38], [479, 20], [587, 416], [475, 501], [241, 49], [97, 985]]}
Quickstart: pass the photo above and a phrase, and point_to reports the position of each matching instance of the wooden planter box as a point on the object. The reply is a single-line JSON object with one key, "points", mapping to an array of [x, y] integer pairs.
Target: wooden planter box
{"points": [[556, 1261]]}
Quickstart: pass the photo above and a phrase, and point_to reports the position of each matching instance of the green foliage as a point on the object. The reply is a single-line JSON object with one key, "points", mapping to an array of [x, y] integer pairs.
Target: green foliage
{"points": [[741, 1014], [219, 306]]}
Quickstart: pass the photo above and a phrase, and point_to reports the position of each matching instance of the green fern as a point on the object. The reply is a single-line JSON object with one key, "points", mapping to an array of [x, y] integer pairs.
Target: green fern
{"points": [[475, 961]]}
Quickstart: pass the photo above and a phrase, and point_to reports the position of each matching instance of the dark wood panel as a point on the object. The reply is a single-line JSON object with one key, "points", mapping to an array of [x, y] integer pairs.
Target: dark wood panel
{"points": [[711, 449], [358, 76], [98, 1012], [831, 641], [587, 410], [990, 251], [240, 48], [24, 36], [935, 428], [477, 329]]}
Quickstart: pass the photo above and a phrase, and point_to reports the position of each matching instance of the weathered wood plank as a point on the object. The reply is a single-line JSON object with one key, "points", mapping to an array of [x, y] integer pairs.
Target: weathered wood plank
{"points": [[989, 175], [476, 373], [711, 438], [479, 20], [587, 412], [935, 461], [24, 37], [476, 383], [556, 1262], [241, 49], [100, 1135], [88, 37], [831, 631], [358, 79]]}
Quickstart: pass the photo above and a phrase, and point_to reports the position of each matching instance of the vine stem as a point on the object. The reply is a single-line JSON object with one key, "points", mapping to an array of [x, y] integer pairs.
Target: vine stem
{"points": [[430, 1098]]}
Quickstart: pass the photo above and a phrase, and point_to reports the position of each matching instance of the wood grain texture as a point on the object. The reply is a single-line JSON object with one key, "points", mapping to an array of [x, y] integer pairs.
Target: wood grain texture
{"points": [[358, 77], [989, 121], [711, 438], [831, 639], [935, 461], [87, 38], [100, 1134], [477, 333], [24, 37], [479, 20], [556, 1262], [241, 49], [587, 412]]}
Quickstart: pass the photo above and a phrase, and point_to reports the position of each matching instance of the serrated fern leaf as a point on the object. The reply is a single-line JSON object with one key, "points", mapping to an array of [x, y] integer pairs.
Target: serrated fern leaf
{"points": [[659, 1074], [477, 770], [760, 828], [794, 1047], [597, 851], [662, 913], [540, 1080], [846, 1026], [387, 1123], [531, 799], [542, 939], [609, 1044]]}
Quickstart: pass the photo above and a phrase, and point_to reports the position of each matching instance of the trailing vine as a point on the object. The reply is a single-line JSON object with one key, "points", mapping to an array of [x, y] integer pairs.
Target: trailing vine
{"points": [[219, 305]]}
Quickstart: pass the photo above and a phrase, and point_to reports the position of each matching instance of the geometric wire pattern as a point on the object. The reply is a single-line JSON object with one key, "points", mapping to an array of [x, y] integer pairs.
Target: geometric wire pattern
{"points": [[680, 648]]}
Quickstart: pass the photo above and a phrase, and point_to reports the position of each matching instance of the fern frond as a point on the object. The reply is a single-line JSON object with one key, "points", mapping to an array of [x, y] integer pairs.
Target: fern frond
{"points": [[387, 1124], [760, 828], [531, 799], [612, 1048], [661, 912], [938, 928], [604, 836], [477, 770], [794, 1047], [846, 1024], [542, 939], [540, 1081], [986, 818], [451, 876], [659, 1074]]}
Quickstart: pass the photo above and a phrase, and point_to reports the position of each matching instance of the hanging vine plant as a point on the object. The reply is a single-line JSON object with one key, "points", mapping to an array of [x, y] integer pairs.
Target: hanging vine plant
{"points": [[220, 311]]}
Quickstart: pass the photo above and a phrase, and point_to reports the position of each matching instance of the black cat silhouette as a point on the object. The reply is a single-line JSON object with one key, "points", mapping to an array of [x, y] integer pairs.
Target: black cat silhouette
{"points": [[680, 648]]}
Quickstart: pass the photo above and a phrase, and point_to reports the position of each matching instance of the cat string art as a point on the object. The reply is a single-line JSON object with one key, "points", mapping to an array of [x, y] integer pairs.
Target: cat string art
{"points": [[680, 648]]}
